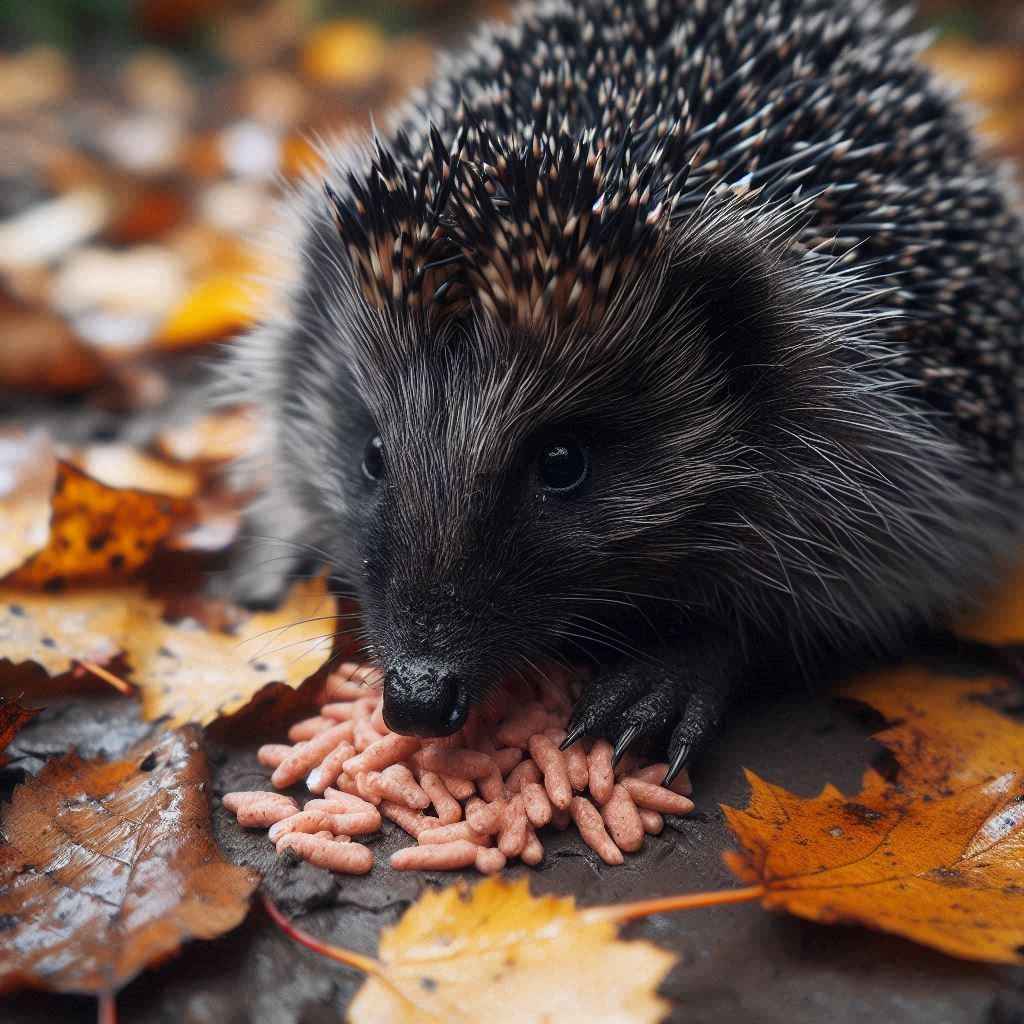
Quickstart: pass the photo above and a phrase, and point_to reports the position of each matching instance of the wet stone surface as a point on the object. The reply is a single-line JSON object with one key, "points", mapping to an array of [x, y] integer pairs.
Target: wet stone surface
{"points": [[735, 963]]}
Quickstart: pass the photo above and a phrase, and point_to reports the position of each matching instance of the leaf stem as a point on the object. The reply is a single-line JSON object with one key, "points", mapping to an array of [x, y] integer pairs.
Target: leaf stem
{"points": [[366, 964], [108, 677], [663, 904], [106, 1009]]}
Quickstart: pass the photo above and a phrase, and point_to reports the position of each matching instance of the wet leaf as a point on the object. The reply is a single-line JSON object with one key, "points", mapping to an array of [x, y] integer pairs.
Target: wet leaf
{"points": [[110, 866], [98, 533], [12, 718], [947, 872], [182, 670], [945, 734], [28, 470], [193, 674], [55, 631], [496, 953], [1001, 621]]}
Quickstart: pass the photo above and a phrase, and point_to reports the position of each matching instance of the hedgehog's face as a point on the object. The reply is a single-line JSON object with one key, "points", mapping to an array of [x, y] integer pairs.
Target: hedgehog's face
{"points": [[511, 500]]}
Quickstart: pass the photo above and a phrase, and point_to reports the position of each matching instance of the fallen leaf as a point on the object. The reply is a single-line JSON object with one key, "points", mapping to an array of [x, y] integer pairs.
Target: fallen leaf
{"points": [[56, 631], [110, 866], [348, 54], [947, 872], [195, 675], [98, 532], [944, 735], [495, 953], [218, 306], [12, 718], [125, 467], [28, 470], [182, 670], [1001, 621], [216, 437], [41, 354]]}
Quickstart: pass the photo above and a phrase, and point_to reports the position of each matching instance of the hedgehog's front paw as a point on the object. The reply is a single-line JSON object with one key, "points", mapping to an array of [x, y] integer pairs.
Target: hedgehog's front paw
{"points": [[640, 701]]}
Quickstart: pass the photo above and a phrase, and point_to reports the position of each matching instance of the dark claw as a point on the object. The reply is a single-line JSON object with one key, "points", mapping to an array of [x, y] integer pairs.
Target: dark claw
{"points": [[677, 764], [629, 734], [575, 732]]}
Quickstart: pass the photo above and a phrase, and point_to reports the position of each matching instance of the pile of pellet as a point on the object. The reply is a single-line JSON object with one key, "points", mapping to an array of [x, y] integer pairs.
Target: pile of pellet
{"points": [[476, 798]]}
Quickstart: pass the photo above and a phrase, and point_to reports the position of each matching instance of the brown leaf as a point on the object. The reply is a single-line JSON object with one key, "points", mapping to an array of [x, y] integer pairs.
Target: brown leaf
{"points": [[110, 866], [41, 354], [12, 718], [28, 470], [946, 872], [98, 532]]}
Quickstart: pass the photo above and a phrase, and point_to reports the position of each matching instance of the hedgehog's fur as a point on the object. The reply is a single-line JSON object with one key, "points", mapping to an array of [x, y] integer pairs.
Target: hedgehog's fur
{"points": [[748, 252]]}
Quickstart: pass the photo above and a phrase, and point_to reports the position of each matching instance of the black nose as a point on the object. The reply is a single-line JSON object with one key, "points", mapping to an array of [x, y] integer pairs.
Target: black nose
{"points": [[423, 698]]}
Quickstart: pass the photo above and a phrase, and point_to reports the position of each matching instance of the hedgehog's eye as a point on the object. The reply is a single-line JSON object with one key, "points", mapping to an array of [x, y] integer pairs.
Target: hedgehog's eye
{"points": [[563, 467], [373, 458]]}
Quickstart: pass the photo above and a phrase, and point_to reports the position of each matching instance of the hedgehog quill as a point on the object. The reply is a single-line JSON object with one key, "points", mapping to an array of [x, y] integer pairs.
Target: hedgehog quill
{"points": [[681, 338]]}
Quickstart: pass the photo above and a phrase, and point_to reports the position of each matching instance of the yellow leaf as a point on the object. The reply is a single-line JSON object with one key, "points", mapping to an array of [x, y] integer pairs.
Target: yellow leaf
{"points": [[947, 872], [349, 54], [55, 631], [182, 670], [195, 675], [123, 466], [218, 306], [496, 954]]}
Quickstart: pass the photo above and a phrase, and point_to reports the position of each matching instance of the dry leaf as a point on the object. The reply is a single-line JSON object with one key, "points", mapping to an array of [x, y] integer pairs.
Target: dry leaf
{"points": [[944, 735], [947, 872], [98, 532], [28, 471], [110, 866], [182, 670], [497, 954], [12, 718]]}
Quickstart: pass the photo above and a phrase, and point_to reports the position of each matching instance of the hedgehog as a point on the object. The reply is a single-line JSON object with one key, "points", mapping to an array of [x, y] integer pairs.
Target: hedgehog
{"points": [[677, 339]]}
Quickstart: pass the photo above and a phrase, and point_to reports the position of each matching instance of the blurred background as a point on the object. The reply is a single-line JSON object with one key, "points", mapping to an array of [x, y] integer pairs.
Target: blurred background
{"points": [[141, 142]]}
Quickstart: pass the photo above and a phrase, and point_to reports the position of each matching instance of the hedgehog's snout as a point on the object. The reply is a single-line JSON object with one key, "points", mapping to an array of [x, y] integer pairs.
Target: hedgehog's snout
{"points": [[424, 698]]}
